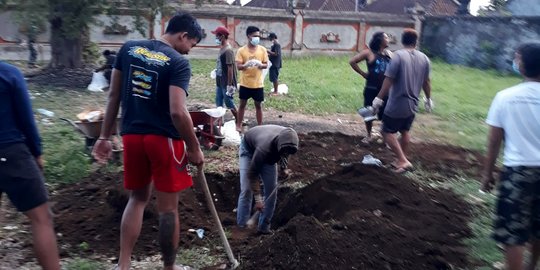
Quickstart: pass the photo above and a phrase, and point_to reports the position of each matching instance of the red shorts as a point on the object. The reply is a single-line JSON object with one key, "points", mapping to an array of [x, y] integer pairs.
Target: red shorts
{"points": [[155, 158]]}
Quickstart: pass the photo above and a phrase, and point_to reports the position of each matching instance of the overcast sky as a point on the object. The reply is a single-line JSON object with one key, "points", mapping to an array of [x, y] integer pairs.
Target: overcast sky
{"points": [[475, 4]]}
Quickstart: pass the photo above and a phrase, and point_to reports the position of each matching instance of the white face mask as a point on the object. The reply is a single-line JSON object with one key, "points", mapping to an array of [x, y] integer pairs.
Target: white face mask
{"points": [[255, 41], [218, 42]]}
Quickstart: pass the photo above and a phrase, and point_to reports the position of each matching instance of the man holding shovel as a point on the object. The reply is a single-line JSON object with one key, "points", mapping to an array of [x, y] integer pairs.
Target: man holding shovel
{"points": [[261, 149], [151, 78]]}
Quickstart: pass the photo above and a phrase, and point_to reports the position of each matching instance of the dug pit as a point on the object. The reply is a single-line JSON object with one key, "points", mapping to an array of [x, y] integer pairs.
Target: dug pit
{"points": [[332, 213]]}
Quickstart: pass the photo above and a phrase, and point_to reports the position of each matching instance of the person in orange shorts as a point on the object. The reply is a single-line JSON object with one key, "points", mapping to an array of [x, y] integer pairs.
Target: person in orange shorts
{"points": [[151, 78]]}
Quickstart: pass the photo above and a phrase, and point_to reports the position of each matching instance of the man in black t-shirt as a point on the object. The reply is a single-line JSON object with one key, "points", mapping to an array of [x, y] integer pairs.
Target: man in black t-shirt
{"points": [[110, 58], [274, 54], [151, 79]]}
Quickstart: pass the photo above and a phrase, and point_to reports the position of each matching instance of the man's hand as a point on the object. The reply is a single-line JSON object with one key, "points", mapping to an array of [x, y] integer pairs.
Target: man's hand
{"points": [[195, 156], [285, 174], [102, 150], [488, 182], [231, 89], [40, 163], [377, 104], [428, 105], [259, 202]]}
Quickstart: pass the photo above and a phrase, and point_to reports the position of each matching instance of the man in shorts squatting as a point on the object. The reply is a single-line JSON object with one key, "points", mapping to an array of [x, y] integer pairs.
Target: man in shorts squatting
{"points": [[514, 116], [151, 78], [407, 74], [251, 59], [21, 164]]}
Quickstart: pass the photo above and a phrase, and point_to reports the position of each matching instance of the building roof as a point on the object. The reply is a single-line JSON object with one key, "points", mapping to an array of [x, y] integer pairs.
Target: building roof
{"points": [[321, 5], [431, 7]]}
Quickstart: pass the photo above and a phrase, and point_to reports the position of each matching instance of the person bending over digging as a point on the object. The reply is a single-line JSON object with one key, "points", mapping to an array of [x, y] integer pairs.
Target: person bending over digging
{"points": [[151, 78], [514, 116], [262, 147]]}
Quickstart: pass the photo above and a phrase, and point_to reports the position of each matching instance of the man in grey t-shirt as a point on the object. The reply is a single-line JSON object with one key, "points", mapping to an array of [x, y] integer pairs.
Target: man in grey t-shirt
{"points": [[407, 74]]}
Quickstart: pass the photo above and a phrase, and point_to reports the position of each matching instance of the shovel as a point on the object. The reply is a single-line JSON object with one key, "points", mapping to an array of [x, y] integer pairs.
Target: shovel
{"points": [[230, 255], [252, 220]]}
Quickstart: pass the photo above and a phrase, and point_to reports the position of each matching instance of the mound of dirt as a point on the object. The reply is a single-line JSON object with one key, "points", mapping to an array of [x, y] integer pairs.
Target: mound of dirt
{"points": [[90, 212], [77, 78], [348, 216], [365, 218]]}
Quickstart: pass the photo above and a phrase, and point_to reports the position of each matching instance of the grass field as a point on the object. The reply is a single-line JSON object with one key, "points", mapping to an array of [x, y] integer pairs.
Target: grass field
{"points": [[317, 86], [326, 85]]}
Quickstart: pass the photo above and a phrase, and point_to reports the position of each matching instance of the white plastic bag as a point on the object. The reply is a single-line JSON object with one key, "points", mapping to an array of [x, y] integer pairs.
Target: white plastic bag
{"points": [[216, 112], [232, 137], [213, 74], [265, 71], [98, 82]]}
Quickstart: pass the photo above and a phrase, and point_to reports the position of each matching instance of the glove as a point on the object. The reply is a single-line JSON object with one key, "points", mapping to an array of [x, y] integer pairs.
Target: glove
{"points": [[259, 202], [428, 105], [377, 104], [231, 89]]}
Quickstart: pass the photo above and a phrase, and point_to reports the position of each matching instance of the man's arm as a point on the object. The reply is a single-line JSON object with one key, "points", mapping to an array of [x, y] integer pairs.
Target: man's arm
{"points": [[182, 122], [363, 55], [113, 104], [264, 59], [254, 170], [102, 148], [495, 138], [25, 116], [230, 74], [427, 88]]}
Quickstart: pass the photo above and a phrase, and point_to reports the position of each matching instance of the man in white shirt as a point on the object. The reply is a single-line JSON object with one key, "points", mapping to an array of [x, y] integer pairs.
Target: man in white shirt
{"points": [[514, 116]]}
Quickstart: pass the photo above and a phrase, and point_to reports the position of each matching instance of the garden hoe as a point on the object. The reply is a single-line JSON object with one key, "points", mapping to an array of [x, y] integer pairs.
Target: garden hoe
{"points": [[230, 255]]}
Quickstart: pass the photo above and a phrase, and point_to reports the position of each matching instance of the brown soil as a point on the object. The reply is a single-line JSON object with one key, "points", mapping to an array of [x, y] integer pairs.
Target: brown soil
{"points": [[349, 216]]}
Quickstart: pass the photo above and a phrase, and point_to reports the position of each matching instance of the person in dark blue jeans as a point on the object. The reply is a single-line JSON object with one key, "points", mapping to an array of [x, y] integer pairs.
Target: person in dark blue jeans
{"points": [[261, 149], [21, 164]]}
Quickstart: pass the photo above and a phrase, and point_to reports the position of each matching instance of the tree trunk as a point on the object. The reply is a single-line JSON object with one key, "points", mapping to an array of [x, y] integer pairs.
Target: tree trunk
{"points": [[66, 51]]}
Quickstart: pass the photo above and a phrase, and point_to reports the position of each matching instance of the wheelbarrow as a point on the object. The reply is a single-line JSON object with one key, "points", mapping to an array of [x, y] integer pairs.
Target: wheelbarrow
{"points": [[207, 127], [92, 130]]}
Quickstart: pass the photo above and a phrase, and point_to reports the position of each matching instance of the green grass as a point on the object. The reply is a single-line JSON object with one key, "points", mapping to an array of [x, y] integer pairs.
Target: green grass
{"points": [[83, 264], [324, 85]]}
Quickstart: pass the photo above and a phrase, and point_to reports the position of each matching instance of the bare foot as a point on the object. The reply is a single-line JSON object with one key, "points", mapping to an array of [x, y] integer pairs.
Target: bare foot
{"points": [[273, 94]]}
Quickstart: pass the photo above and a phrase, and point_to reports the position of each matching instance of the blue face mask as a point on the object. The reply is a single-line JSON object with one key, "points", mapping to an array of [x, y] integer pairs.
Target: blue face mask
{"points": [[255, 41], [515, 67]]}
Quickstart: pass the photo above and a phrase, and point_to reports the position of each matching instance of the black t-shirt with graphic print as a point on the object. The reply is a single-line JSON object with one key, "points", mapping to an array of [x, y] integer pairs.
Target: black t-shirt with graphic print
{"points": [[148, 68]]}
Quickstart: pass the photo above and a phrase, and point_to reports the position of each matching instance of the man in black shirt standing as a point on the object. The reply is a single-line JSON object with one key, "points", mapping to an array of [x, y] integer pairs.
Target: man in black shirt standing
{"points": [[275, 57]]}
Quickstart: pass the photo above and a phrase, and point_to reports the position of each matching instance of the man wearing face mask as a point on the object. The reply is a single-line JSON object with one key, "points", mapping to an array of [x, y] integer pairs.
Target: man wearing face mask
{"points": [[151, 79], [514, 117], [225, 71], [251, 59], [261, 149]]}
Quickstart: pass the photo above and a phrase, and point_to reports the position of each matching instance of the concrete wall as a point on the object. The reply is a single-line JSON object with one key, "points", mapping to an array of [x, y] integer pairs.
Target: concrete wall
{"points": [[524, 7], [483, 42], [300, 32]]}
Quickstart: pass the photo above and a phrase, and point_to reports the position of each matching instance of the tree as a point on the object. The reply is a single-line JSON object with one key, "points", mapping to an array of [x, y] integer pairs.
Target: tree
{"points": [[70, 21]]}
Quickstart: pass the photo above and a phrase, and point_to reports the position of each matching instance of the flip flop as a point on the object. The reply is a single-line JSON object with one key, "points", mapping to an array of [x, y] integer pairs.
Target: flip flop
{"points": [[405, 169]]}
